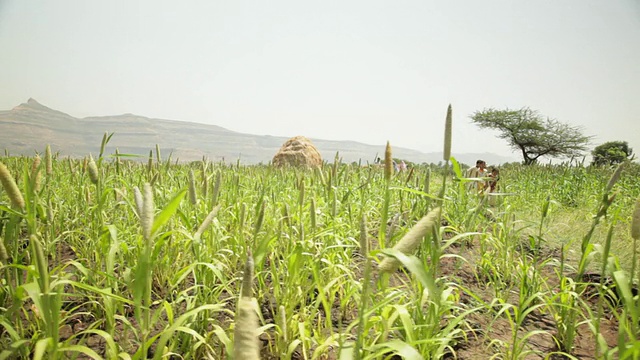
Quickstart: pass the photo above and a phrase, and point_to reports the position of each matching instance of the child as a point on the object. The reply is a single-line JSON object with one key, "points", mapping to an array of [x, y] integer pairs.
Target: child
{"points": [[493, 182]]}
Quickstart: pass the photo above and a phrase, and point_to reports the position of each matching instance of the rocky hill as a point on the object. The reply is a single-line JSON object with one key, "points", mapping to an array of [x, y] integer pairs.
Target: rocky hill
{"points": [[28, 127]]}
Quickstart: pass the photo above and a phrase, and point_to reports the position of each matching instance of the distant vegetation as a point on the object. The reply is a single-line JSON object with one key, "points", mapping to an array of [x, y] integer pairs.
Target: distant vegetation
{"points": [[611, 153]]}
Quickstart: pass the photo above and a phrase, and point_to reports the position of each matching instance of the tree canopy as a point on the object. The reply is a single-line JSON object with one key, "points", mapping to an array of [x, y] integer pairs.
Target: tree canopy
{"points": [[610, 153], [532, 134]]}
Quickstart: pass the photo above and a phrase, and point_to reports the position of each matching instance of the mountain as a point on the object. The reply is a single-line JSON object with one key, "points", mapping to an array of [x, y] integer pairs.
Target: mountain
{"points": [[30, 126]]}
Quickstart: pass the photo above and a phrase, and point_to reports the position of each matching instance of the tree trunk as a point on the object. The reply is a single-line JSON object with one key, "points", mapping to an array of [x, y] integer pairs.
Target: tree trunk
{"points": [[527, 159]]}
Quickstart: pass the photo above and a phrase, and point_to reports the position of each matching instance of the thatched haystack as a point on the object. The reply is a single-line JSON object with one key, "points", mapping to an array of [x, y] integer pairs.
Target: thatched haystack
{"points": [[298, 151]]}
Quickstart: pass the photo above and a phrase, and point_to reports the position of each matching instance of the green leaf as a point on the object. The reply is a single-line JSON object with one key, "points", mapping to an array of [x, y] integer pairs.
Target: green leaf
{"points": [[169, 311], [292, 348], [193, 333], [15, 346], [415, 266], [168, 333], [104, 292], [454, 239], [414, 191], [346, 351], [403, 349], [262, 250], [9, 329], [168, 211], [222, 336], [126, 155], [112, 348], [142, 283], [81, 349], [456, 167], [622, 282], [41, 347], [33, 290], [407, 322], [328, 344]]}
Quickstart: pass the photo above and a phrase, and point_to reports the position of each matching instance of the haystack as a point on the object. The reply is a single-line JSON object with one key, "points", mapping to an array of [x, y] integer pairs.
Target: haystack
{"points": [[297, 151]]}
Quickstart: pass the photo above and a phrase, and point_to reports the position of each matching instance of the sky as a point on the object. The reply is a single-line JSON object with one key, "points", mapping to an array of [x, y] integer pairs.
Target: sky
{"points": [[369, 71]]}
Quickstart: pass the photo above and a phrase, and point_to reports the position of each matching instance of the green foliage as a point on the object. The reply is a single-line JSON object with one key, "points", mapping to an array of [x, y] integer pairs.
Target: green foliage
{"points": [[76, 259], [528, 132], [611, 153]]}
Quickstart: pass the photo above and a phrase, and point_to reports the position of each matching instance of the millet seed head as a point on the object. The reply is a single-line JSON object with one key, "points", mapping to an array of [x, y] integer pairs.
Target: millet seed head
{"points": [[447, 136], [635, 222], [11, 188], [92, 168], [388, 162], [411, 240], [245, 335], [148, 207]]}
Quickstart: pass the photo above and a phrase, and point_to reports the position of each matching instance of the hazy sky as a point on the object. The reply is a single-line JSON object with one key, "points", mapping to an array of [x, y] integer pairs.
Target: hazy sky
{"points": [[369, 71]]}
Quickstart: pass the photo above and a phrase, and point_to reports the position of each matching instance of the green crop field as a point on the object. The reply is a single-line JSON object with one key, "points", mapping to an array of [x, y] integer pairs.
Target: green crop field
{"points": [[115, 259]]}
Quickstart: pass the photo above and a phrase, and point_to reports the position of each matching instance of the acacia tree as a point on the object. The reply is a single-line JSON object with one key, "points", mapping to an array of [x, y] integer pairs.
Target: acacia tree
{"points": [[532, 134], [611, 152]]}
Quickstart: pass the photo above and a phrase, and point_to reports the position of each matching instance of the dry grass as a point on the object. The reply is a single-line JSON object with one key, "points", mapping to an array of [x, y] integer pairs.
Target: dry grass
{"points": [[298, 152]]}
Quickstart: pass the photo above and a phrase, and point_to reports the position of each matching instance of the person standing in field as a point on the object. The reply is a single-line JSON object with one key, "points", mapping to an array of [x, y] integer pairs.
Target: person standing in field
{"points": [[478, 171], [403, 166]]}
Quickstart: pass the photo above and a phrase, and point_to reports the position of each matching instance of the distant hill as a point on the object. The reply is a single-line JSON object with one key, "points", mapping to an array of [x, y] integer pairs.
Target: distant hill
{"points": [[28, 127]]}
